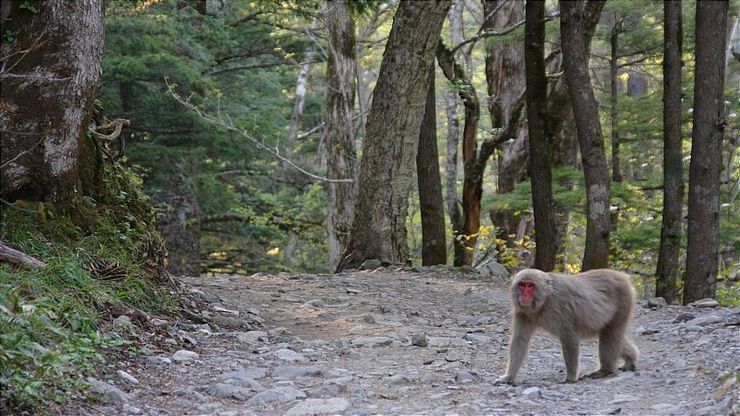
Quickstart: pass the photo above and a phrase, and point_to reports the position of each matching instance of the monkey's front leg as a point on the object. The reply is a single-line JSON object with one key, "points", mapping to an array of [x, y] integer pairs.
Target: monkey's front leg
{"points": [[570, 346], [517, 350]]}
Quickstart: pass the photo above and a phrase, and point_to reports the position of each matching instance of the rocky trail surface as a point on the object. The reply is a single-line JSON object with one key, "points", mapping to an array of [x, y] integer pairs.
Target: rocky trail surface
{"points": [[402, 341]]}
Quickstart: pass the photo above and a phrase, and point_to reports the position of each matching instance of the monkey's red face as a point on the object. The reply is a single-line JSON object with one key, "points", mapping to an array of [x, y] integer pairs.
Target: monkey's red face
{"points": [[526, 293]]}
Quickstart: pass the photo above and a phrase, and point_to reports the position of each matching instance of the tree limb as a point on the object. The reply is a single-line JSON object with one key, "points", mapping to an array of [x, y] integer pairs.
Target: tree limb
{"points": [[14, 256]]}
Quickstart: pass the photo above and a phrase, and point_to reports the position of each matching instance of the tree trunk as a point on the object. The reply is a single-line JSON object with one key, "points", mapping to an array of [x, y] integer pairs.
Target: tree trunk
{"points": [[50, 80], [433, 239], [670, 233], [392, 134], [574, 18], [613, 98], [539, 136], [180, 227], [339, 131], [702, 250], [453, 141]]}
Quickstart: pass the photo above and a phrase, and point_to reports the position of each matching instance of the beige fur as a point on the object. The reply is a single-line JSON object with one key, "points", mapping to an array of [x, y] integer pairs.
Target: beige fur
{"points": [[593, 304]]}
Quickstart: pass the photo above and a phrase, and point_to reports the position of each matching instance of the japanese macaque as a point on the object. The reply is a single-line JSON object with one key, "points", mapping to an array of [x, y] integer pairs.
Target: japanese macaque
{"points": [[593, 304]]}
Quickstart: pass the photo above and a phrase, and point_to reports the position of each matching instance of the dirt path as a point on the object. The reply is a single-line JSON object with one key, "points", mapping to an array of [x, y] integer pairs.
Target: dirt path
{"points": [[342, 344]]}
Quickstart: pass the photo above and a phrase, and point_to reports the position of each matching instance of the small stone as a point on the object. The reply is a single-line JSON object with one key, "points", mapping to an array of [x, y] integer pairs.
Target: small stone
{"points": [[289, 355], [131, 410], [127, 377], [291, 372], [463, 377], [245, 372], [705, 303], [371, 264], [371, 341], [476, 338], [276, 395], [623, 398], [531, 390], [399, 379], [419, 340], [312, 407], [108, 392], [223, 390], [330, 390], [252, 337], [705, 320], [185, 356], [551, 395], [684, 317], [658, 302], [159, 323]]}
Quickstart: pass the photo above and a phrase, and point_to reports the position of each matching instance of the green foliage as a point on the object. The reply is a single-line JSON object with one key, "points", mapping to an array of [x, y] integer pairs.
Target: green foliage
{"points": [[49, 316]]}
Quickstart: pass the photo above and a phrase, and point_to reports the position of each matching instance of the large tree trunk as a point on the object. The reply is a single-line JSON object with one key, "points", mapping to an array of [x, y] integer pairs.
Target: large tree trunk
{"points": [[670, 233], [574, 18], [50, 79], [433, 239], [706, 151], [392, 135], [339, 132], [539, 136]]}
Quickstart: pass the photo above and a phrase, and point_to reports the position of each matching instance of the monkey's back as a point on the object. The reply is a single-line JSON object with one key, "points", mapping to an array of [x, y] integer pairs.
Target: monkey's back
{"points": [[587, 302]]}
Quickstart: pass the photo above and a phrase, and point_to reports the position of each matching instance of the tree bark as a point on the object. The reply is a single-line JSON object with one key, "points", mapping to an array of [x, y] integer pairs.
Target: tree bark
{"points": [[574, 17], [433, 239], [670, 233], [339, 131], [49, 83], [453, 141], [539, 136], [613, 97], [180, 227], [702, 250], [474, 162], [392, 134]]}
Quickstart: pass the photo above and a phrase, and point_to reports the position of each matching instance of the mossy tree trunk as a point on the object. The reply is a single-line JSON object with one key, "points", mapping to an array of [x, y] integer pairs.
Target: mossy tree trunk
{"points": [[50, 79]]}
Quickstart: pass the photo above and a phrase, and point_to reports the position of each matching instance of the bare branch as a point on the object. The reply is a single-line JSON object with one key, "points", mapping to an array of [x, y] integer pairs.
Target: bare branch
{"points": [[229, 125], [491, 33], [19, 155]]}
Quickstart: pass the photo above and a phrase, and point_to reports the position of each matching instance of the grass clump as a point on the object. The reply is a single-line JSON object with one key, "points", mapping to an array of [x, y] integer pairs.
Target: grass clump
{"points": [[99, 254]]}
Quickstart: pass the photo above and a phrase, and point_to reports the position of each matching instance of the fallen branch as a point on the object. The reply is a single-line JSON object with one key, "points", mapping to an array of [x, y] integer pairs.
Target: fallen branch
{"points": [[116, 124], [16, 257]]}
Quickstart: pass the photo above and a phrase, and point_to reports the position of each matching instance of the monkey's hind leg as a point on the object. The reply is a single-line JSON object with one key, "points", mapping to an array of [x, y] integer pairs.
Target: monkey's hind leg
{"points": [[610, 349], [629, 355]]}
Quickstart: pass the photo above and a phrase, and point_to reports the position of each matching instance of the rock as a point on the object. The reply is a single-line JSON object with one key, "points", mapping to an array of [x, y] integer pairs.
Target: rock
{"points": [[683, 317], [289, 355], [127, 377], [276, 395], [623, 398], [705, 303], [371, 341], [399, 379], [252, 337], [319, 407], [291, 372], [656, 302], [329, 390], [371, 264], [491, 268], [253, 373], [463, 377], [223, 390], [476, 338], [530, 390], [419, 340], [131, 410], [159, 323], [108, 392], [705, 320], [185, 356], [551, 395]]}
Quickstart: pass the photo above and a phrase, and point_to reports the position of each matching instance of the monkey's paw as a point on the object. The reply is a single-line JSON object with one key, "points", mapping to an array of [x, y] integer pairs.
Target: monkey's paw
{"points": [[504, 380], [598, 374]]}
